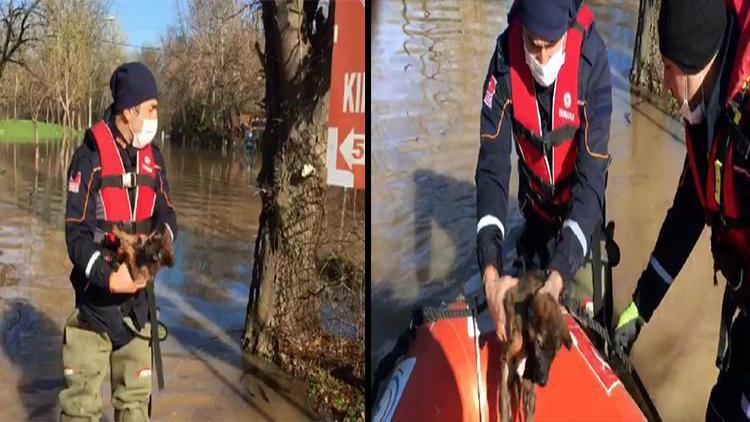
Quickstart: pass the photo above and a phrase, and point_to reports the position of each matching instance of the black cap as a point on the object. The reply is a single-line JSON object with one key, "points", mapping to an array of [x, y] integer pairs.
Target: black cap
{"points": [[691, 32], [548, 19], [131, 84]]}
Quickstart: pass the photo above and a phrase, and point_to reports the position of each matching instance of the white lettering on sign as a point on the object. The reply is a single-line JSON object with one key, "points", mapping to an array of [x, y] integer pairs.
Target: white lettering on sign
{"points": [[353, 149], [354, 92]]}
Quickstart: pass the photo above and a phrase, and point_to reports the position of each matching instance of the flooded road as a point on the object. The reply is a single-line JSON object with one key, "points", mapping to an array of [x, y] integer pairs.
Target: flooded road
{"points": [[430, 62], [202, 299]]}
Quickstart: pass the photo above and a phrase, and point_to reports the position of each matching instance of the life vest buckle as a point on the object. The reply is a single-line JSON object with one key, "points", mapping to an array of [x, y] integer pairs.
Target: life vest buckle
{"points": [[734, 112], [717, 181], [128, 180]]}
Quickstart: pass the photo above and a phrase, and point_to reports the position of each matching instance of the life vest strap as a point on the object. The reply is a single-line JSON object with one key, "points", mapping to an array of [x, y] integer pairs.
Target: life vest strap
{"points": [[543, 207], [733, 113], [718, 220], [584, 19], [128, 180], [155, 340], [546, 188], [552, 139], [130, 227]]}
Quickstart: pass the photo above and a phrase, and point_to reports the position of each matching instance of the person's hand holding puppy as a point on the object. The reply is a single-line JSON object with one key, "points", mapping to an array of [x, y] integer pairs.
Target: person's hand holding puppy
{"points": [[495, 288], [120, 281], [553, 285]]}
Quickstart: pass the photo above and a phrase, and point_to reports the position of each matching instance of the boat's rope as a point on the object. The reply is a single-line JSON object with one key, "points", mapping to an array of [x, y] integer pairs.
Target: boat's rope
{"points": [[610, 350], [436, 313], [586, 321]]}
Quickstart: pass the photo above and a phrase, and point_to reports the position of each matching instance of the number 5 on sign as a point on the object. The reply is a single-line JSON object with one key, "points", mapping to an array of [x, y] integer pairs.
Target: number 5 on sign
{"points": [[358, 150], [353, 149]]}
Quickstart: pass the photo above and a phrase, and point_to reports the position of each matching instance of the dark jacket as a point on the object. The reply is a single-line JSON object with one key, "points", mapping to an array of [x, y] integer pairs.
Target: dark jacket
{"points": [[685, 220], [565, 246], [100, 310]]}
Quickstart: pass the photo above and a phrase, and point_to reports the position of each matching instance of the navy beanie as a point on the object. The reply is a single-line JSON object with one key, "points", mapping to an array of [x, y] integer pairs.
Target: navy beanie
{"points": [[548, 19], [691, 32], [131, 84]]}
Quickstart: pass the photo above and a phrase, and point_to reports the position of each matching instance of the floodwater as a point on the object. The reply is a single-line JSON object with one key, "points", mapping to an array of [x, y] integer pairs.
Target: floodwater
{"points": [[202, 299], [430, 60]]}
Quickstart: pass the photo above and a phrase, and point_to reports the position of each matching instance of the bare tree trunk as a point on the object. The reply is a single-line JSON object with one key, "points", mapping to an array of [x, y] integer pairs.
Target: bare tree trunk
{"points": [[646, 73], [15, 100], [284, 272], [34, 118]]}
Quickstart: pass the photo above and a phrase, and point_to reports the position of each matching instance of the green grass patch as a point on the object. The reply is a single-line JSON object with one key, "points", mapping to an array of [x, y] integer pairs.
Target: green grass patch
{"points": [[22, 131], [334, 400]]}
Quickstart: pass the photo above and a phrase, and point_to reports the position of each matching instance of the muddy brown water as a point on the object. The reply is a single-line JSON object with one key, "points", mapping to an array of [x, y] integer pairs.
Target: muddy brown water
{"points": [[429, 63], [202, 298]]}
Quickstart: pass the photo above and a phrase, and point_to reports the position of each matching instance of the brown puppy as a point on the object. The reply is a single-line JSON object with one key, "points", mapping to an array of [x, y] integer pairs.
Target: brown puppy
{"points": [[143, 255], [536, 330]]}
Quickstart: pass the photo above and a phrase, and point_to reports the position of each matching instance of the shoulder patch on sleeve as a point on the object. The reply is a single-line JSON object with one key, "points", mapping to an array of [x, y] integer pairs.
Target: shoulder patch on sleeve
{"points": [[489, 93], [74, 182]]}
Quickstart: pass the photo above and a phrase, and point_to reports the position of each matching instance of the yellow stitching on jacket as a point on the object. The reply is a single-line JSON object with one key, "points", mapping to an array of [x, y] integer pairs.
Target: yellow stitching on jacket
{"points": [[499, 124], [586, 136], [86, 203]]}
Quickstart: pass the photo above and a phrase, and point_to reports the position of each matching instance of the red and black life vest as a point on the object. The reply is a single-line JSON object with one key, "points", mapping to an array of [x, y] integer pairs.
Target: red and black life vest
{"points": [[115, 183], [549, 180], [725, 195]]}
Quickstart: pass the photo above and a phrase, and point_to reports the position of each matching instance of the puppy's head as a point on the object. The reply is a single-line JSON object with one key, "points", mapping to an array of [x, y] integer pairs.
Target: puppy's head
{"points": [[546, 333], [155, 251]]}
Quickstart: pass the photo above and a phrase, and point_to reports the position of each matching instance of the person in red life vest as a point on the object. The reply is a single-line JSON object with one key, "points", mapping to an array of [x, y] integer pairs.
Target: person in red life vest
{"points": [[704, 47], [116, 178], [548, 93]]}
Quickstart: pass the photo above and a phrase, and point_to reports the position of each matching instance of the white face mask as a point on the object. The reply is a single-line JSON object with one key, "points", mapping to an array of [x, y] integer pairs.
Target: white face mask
{"points": [[545, 74], [696, 116], [147, 133]]}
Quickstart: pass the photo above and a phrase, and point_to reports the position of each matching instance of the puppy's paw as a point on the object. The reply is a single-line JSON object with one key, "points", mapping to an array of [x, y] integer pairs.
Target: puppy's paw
{"points": [[529, 400]]}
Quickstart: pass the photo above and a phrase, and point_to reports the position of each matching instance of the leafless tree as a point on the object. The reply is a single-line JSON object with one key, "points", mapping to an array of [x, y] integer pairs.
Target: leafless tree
{"points": [[216, 41], [20, 21]]}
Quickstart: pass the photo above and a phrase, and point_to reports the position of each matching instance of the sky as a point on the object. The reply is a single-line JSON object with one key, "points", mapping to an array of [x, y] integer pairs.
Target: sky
{"points": [[145, 21]]}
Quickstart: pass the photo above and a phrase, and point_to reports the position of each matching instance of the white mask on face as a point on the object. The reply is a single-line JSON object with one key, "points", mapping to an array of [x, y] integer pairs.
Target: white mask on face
{"points": [[545, 74], [696, 116], [147, 133]]}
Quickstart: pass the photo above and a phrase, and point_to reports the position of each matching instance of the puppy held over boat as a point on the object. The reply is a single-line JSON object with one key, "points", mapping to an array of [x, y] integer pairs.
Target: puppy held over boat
{"points": [[536, 331], [144, 255]]}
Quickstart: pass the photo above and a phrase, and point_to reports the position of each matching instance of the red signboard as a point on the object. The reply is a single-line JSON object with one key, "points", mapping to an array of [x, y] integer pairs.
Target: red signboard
{"points": [[345, 158]]}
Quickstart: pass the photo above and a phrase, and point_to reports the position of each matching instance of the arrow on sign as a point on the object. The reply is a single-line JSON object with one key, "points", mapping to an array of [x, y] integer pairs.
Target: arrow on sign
{"points": [[353, 149]]}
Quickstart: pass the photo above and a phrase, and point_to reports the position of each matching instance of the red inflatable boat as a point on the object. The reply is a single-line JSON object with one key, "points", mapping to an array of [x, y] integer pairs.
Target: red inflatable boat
{"points": [[447, 375]]}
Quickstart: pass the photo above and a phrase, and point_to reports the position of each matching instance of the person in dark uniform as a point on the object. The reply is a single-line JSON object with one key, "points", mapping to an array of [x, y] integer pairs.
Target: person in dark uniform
{"points": [[116, 178], [704, 47], [548, 93]]}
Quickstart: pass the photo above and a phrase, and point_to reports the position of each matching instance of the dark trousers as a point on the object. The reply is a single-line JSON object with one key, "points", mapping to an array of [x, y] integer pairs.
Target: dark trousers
{"points": [[730, 397]]}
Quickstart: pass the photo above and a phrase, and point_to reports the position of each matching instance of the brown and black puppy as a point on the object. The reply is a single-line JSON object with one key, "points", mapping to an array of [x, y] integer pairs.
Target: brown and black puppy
{"points": [[144, 255], [536, 330]]}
